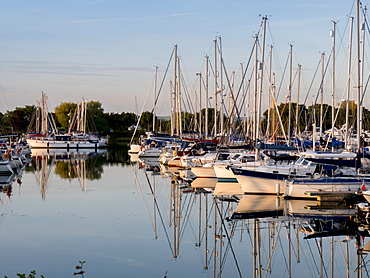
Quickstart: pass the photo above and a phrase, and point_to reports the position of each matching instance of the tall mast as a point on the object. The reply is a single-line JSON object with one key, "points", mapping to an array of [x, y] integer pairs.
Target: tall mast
{"points": [[200, 104], [333, 84], [270, 123], [255, 117], [172, 93], [232, 104], [220, 90], [155, 97], [261, 66], [215, 87], [206, 112], [297, 131], [349, 80], [84, 115], [362, 65], [358, 72], [44, 114], [290, 92], [322, 93], [179, 118]]}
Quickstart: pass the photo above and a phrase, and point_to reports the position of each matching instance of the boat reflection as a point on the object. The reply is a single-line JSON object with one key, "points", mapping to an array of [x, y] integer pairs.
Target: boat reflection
{"points": [[255, 235], [84, 164]]}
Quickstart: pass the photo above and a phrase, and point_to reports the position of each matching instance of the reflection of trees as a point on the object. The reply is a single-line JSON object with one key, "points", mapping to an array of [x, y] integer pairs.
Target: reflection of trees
{"points": [[72, 169], [118, 156]]}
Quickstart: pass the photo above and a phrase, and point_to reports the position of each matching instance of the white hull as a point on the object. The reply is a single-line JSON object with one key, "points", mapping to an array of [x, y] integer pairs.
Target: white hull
{"points": [[306, 208], [297, 188], [58, 153], [204, 183], [223, 173], [36, 143], [151, 152], [227, 188], [203, 171], [256, 185], [257, 206]]}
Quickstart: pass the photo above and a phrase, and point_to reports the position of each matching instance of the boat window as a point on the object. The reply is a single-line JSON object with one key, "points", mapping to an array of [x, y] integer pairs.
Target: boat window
{"points": [[305, 162], [299, 161]]}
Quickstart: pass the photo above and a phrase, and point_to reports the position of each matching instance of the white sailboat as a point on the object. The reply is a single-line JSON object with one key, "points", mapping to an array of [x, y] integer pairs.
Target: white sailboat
{"points": [[46, 134]]}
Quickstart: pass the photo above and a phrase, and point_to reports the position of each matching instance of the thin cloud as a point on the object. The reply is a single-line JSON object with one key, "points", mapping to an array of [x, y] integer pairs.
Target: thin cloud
{"points": [[68, 68], [126, 18]]}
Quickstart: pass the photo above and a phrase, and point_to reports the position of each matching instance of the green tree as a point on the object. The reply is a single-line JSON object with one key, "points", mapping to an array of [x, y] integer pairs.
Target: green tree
{"points": [[146, 120], [64, 113], [96, 121], [19, 119]]}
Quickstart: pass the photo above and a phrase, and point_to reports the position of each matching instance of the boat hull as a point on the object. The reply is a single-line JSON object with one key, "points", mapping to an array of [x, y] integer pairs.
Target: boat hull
{"points": [[297, 188], [203, 171], [53, 144]]}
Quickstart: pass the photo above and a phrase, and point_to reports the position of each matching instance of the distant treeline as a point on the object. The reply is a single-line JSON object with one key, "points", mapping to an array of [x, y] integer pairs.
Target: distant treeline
{"points": [[122, 124]]}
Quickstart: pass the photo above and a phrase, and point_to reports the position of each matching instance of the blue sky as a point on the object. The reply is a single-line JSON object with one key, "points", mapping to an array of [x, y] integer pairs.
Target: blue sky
{"points": [[107, 50]]}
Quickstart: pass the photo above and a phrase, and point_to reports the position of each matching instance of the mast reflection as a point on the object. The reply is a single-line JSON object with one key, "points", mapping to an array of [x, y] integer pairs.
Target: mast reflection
{"points": [[254, 235], [84, 164]]}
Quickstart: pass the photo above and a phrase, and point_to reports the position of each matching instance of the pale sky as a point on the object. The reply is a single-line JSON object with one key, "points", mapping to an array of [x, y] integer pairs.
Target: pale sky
{"points": [[107, 50]]}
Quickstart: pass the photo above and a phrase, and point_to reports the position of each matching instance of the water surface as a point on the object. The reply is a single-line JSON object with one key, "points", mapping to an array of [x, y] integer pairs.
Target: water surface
{"points": [[127, 219]]}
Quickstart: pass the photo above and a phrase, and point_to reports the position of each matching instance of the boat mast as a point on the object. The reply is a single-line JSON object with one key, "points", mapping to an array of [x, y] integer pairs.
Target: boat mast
{"points": [[270, 123], [333, 84], [322, 94], [206, 112], [215, 87], [84, 116], [44, 114], [38, 117], [231, 105], [200, 104], [261, 66], [363, 64], [358, 72], [290, 93], [349, 81], [297, 131], [172, 113], [173, 88], [179, 117], [255, 117], [155, 97], [220, 90]]}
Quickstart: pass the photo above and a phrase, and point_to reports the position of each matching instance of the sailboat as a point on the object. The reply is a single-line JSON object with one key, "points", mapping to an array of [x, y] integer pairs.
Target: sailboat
{"points": [[46, 134]]}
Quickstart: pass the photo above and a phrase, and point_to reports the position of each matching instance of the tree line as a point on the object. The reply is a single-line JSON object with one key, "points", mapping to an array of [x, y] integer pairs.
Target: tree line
{"points": [[118, 124]]}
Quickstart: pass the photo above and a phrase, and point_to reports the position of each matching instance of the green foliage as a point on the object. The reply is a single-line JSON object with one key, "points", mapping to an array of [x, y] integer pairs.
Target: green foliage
{"points": [[120, 122], [31, 275], [146, 120], [95, 118], [116, 125], [79, 268], [19, 119], [64, 114], [72, 169]]}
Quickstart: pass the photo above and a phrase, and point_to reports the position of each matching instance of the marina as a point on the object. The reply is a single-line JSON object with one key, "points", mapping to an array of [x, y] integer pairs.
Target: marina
{"points": [[123, 216], [235, 168]]}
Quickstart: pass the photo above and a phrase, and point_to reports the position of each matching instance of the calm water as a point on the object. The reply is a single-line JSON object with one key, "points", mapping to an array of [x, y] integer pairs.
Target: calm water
{"points": [[126, 219]]}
